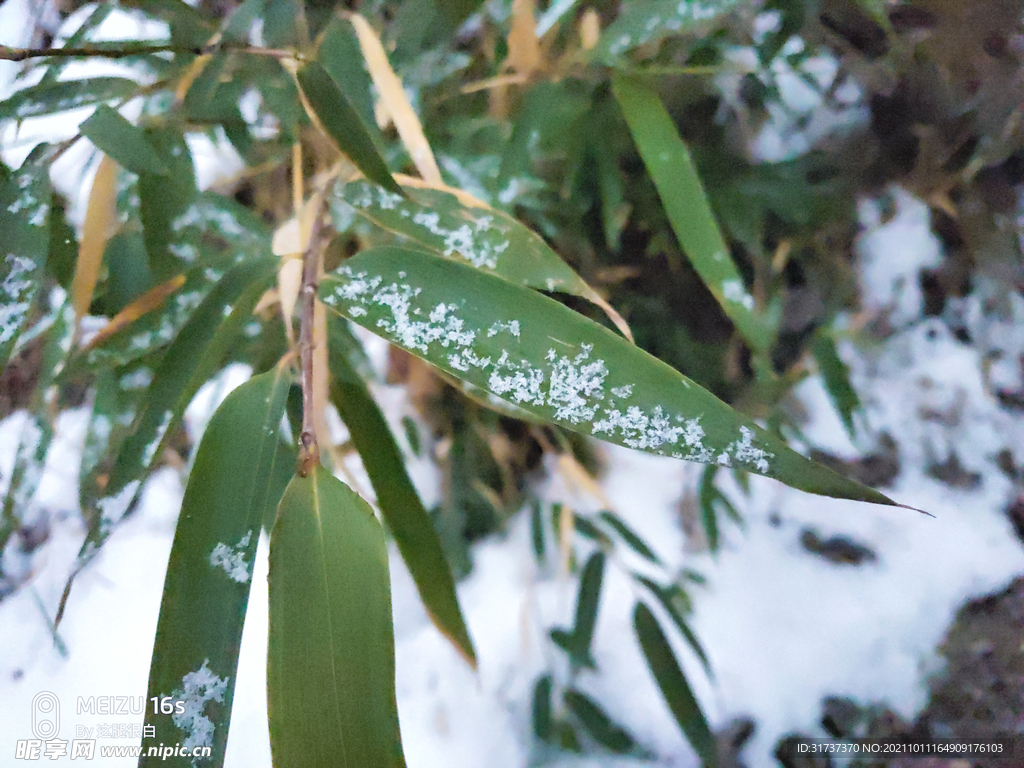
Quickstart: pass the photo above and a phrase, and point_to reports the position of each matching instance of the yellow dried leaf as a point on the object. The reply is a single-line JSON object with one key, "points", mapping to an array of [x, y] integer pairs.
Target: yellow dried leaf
{"points": [[147, 302], [289, 281], [393, 97], [590, 29], [524, 54], [100, 220]]}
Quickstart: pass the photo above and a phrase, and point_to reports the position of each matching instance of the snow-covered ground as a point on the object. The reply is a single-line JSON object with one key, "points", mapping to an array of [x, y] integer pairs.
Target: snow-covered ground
{"points": [[783, 628]]}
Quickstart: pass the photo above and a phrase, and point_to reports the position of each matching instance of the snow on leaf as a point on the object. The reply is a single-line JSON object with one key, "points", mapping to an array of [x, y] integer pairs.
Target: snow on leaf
{"points": [[232, 559], [197, 688]]}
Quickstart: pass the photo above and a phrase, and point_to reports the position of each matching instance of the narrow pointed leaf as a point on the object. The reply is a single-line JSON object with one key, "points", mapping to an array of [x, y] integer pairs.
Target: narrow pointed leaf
{"points": [[682, 194], [400, 504], [598, 724], [542, 715], [559, 365], [122, 141], [676, 614], [649, 22], [836, 376], [340, 119], [165, 199], [24, 243], [191, 359], [672, 682], [232, 485], [61, 95], [477, 234], [331, 655], [577, 643], [629, 536]]}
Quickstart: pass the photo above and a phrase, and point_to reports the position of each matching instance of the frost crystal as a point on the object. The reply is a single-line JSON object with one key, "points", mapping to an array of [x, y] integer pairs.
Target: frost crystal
{"points": [[15, 295], [232, 559], [150, 450], [113, 508], [198, 688], [734, 291]]}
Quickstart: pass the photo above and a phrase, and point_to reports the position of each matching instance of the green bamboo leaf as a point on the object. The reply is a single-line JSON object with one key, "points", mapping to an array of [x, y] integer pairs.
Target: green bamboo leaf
{"points": [[651, 21], [537, 532], [488, 239], [597, 723], [577, 643], [342, 122], [559, 365], [629, 536], [682, 194], [397, 498], [189, 28], [542, 715], [63, 251], [122, 141], [61, 95], [232, 486], [342, 58], [238, 25], [675, 612], [164, 200], [331, 655], [836, 376], [193, 356], [24, 243], [673, 685]]}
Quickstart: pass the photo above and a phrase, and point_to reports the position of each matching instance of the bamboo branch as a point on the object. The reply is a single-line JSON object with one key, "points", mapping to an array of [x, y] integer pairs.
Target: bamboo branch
{"points": [[8, 53], [309, 450]]}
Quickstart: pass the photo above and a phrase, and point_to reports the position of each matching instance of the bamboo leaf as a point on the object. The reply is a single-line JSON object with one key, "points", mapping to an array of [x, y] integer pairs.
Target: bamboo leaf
{"points": [[232, 486], [836, 376], [542, 715], [164, 200], [340, 54], [392, 96], [665, 597], [100, 217], [61, 95], [341, 121], [673, 685], [577, 643], [399, 502], [193, 356], [558, 365], [597, 723], [629, 536], [648, 22], [331, 655], [459, 227], [682, 194], [24, 242], [119, 139]]}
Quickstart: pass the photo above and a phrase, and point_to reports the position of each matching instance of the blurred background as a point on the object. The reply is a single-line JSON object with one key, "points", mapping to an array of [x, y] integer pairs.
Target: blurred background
{"points": [[865, 162]]}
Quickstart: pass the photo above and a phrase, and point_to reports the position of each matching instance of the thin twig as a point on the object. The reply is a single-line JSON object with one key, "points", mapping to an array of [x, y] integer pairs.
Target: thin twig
{"points": [[8, 53], [309, 450]]}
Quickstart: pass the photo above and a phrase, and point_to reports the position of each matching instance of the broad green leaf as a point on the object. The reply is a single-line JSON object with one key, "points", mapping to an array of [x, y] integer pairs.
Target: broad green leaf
{"points": [[488, 239], [597, 723], [24, 243], [647, 22], [63, 251], [238, 25], [836, 376], [122, 141], [675, 612], [189, 28], [62, 95], [673, 685], [682, 194], [397, 498], [331, 654], [629, 536], [577, 642], [193, 356], [230, 490], [342, 122], [559, 365]]}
